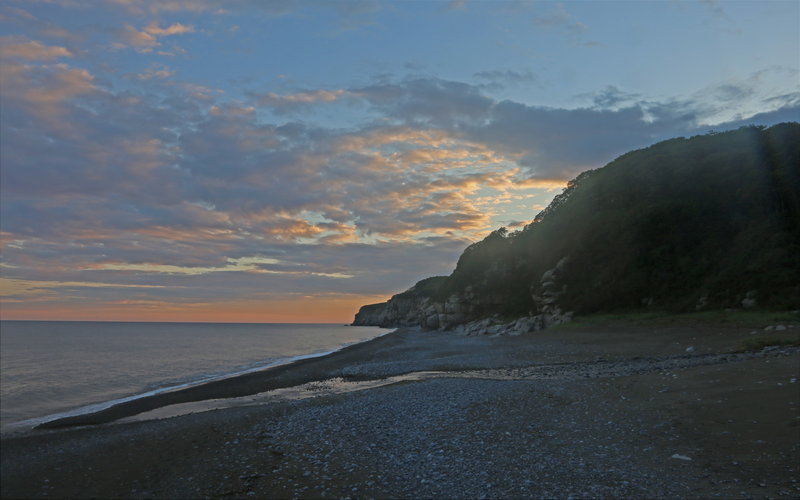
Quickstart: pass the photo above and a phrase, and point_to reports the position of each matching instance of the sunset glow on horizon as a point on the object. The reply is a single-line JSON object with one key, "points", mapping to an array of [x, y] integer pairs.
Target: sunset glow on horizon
{"points": [[257, 161], [303, 309]]}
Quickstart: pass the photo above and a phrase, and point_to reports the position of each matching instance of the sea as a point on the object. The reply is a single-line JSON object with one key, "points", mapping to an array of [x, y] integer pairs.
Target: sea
{"points": [[52, 369]]}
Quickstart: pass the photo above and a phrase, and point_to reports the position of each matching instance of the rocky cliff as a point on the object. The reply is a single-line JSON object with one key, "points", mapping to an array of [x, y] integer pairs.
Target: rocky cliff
{"points": [[463, 312]]}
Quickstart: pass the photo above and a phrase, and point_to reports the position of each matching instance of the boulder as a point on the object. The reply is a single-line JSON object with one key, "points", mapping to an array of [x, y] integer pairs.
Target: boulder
{"points": [[749, 301]]}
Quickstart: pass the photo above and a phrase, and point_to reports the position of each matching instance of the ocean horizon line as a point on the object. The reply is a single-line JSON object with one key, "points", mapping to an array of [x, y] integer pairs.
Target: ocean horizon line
{"points": [[176, 322]]}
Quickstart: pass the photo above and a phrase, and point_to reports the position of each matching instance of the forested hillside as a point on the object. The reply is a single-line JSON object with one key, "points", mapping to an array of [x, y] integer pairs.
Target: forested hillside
{"points": [[712, 221]]}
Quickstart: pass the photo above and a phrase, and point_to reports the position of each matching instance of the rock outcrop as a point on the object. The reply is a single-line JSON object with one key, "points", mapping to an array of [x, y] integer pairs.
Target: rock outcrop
{"points": [[407, 309], [462, 313], [549, 291]]}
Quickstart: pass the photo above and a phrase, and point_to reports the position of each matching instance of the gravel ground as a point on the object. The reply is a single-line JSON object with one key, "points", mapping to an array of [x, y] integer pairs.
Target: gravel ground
{"points": [[682, 425], [454, 441]]}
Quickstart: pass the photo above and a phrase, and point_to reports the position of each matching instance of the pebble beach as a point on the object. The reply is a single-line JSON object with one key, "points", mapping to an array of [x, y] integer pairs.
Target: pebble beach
{"points": [[575, 412]]}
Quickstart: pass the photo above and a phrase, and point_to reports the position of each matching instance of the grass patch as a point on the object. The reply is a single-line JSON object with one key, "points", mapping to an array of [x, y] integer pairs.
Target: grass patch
{"points": [[612, 319], [756, 344], [734, 318]]}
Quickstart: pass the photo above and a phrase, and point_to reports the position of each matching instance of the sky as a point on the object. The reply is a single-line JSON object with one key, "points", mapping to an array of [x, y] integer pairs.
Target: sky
{"points": [[290, 161]]}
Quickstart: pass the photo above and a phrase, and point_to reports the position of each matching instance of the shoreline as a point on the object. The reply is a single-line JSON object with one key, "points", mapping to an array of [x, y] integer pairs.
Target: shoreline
{"points": [[305, 369], [16, 428], [581, 412], [227, 386], [553, 372]]}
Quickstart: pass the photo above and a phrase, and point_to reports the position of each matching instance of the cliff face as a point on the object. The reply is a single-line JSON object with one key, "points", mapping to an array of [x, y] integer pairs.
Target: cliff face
{"points": [[465, 312], [711, 221], [414, 310], [373, 315]]}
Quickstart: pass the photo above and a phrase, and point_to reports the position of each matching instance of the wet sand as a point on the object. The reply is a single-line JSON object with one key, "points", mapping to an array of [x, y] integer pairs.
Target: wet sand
{"points": [[581, 412]]}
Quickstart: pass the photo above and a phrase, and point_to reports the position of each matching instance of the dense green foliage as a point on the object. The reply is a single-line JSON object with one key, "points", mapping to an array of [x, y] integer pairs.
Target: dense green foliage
{"points": [[424, 288], [703, 220]]}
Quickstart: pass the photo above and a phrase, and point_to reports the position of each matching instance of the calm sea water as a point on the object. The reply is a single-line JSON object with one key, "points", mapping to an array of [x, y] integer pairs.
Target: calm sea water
{"points": [[53, 368]]}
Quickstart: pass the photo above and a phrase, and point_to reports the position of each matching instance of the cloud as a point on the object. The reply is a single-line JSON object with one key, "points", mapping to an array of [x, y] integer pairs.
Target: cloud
{"points": [[44, 92], [281, 271], [154, 72], [164, 190], [734, 100], [559, 143], [63, 128], [350, 15], [173, 29], [355, 181], [548, 143], [789, 112], [31, 50], [24, 21], [423, 171], [315, 208], [553, 143], [199, 92], [140, 40], [221, 7], [284, 103], [427, 100], [789, 99], [146, 39], [129, 188], [611, 97]]}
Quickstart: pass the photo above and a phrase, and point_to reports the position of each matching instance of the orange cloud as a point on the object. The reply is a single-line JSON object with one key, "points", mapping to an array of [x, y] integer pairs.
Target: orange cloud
{"points": [[292, 229], [548, 184], [67, 83], [155, 72], [31, 50], [147, 39], [8, 239], [231, 110], [173, 29], [372, 139], [189, 235], [278, 100], [201, 92], [46, 91], [141, 40]]}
